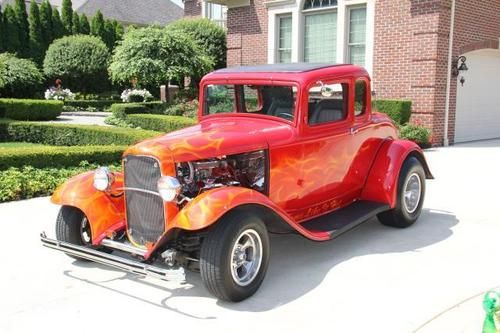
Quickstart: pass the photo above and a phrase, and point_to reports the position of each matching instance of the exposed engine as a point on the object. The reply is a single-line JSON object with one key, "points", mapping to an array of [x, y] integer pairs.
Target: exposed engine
{"points": [[246, 170]]}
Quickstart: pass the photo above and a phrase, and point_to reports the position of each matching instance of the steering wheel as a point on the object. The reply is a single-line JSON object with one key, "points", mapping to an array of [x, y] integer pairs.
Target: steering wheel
{"points": [[285, 115]]}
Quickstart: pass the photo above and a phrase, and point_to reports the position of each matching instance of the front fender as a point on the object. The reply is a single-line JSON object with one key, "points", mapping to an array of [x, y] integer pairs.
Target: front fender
{"points": [[382, 182], [104, 212]]}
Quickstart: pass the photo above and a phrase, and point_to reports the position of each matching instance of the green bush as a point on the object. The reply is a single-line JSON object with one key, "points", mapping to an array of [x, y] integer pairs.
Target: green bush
{"points": [[416, 133], [80, 61], [51, 156], [70, 135], [159, 122], [20, 77], [121, 110], [186, 109], [80, 105], [30, 109], [398, 110], [28, 182]]}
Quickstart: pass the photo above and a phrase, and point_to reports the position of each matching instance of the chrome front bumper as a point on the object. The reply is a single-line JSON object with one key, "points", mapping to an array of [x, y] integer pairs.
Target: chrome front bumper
{"points": [[115, 261]]}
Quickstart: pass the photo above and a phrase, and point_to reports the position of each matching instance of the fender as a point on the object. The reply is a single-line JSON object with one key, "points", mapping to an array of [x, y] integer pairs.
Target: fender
{"points": [[382, 180], [104, 211]]}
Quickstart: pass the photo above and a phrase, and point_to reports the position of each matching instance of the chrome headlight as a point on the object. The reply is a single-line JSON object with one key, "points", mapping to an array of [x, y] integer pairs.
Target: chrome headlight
{"points": [[169, 188], [103, 178]]}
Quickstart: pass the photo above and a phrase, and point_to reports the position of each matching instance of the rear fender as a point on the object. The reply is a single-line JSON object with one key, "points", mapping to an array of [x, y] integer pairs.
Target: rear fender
{"points": [[104, 212], [382, 180]]}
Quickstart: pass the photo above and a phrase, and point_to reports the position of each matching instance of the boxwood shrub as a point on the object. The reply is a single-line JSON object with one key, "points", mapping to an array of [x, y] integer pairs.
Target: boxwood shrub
{"points": [[30, 109], [418, 134], [159, 122], [398, 110], [85, 104], [121, 110], [51, 156], [70, 135]]}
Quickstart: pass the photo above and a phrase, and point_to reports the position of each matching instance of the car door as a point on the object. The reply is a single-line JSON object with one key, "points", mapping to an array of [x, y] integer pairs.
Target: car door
{"points": [[328, 148]]}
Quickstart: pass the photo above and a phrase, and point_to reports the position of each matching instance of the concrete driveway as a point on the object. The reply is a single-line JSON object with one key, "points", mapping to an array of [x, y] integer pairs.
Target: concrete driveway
{"points": [[427, 278]]}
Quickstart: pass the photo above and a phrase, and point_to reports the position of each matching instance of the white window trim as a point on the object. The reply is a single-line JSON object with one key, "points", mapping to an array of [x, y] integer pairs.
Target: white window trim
{"points": [[295, 8]]}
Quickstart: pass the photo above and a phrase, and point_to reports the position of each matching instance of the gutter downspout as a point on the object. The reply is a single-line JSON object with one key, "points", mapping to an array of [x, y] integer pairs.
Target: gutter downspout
{"points": [[448, 77]]}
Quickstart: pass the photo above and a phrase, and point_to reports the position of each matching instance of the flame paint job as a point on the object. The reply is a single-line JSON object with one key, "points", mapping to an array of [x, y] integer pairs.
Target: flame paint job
{"points": [[313, 169], [104, 212]]}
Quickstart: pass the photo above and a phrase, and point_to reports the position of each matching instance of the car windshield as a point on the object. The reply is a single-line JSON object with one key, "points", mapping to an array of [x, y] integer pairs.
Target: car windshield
{"points": [[271, 100]]}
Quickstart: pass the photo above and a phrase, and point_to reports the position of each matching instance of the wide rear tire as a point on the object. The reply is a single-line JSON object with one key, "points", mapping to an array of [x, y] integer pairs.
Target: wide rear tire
{"points": [[410, 196], [234, 257]]}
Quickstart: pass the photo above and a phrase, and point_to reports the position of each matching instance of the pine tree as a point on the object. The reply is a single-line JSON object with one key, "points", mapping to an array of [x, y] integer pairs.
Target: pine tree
{"points": [[46, 23], [57, 26], [2, 37], [22, 27], [67, 16], [36, 39], [119, 31], [11, 31], [77, 29], [97, 26], [109, 37], [84, 25]]}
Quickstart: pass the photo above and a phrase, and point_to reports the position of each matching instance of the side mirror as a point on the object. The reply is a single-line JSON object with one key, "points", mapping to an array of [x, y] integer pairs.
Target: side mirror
{"points": [[325, 90]]}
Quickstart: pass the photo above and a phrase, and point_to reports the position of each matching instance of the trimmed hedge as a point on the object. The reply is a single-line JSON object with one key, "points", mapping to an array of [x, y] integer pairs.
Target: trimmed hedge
{"points": [[159, 122], [30, 109], [50, 156], [398, 110], [70, 135], [28, 182], [84, 104], [418, 134], [121, 110]]}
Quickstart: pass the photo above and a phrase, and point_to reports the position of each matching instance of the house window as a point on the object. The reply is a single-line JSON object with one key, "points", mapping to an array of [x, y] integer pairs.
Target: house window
{"points": [[320, 37], [285, 39], [216, 13], [356, 48], [311, 4]]}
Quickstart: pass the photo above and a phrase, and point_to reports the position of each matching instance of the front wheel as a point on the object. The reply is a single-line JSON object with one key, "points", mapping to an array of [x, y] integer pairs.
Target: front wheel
{"points": [[410, 196], [72, 226], [234, 257]]}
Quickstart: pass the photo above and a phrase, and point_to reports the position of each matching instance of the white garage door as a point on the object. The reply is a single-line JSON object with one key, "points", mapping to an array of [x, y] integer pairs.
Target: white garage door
{"points": [[478, 100]]}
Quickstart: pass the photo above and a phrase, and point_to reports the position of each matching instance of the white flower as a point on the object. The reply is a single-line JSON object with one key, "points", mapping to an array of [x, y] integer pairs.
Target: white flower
{"points": [[142, 93], [59, 94]]}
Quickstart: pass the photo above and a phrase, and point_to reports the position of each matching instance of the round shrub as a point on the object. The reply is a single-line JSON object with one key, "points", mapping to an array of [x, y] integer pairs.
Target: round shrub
{"points": [[418, 134], [20, 77], [80, 61]]}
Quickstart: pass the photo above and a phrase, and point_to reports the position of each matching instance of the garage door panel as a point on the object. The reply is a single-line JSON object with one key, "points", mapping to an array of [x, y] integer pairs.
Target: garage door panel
{"points": [[478, 100]]}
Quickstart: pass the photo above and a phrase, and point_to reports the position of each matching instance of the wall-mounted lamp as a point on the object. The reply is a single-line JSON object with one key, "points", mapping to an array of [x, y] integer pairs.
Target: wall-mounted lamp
{"points": [[459, 66]]}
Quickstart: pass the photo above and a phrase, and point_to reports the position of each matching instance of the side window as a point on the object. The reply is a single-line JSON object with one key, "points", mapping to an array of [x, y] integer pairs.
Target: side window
{"points": [[327, 103], [251, 98], [219, 99], [360, 98]]}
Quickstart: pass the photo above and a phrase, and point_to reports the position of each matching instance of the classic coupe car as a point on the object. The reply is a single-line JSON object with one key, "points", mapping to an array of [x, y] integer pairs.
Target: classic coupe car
{"points": [[277, 149]]}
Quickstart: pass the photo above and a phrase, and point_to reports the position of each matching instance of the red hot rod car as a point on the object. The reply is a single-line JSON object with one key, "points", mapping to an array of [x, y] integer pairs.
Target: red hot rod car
{"points": [[277, 148]]}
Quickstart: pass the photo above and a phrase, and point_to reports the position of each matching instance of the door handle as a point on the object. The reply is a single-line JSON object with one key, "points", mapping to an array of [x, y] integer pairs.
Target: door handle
{"points": [[354, 130]]}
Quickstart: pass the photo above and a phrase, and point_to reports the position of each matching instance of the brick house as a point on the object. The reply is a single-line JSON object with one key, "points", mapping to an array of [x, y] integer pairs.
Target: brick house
{"points": [[404, 44]]}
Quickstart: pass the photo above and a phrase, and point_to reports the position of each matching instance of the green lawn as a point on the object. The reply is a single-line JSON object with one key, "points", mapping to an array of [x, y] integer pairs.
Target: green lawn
{"points": [[9, 145]]}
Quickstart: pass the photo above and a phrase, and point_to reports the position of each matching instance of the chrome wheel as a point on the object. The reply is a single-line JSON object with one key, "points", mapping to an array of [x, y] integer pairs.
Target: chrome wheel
{"points": [[85, 232], [246, 257], [412, 193]]}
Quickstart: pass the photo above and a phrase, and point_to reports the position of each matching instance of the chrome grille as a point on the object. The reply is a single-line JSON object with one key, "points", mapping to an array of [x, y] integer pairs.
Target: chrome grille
{"points": [[145, 215]]}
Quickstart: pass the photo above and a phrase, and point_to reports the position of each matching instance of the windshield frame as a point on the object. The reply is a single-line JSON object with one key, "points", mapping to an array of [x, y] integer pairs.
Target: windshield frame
{"points": [[236, 112]]}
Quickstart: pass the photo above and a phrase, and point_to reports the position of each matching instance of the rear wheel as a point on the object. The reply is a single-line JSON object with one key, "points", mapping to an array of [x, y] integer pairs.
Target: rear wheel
{"points": [[410, 196], [234, 257], [72, 226]]}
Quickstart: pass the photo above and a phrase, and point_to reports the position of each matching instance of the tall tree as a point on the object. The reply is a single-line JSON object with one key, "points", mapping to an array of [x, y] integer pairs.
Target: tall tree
{"points": [[97, 26], [67, 16], [109, 37], [36, 39], [84, 25], [46, 23], [119, 31], [57, 26], [11, 31], [77, 29], [2, 37], [23, 28]]}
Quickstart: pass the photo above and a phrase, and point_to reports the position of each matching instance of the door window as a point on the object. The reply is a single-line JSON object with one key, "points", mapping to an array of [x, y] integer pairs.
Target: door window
{"points": [[327, 103]]}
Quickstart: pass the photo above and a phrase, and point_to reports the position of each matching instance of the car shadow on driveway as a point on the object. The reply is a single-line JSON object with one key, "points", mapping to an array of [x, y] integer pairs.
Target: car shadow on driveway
{"points": [[298, 265]]}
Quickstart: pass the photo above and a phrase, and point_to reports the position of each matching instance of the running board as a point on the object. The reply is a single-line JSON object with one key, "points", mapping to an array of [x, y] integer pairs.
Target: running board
{"points": [[342, 220], [124, 264]]}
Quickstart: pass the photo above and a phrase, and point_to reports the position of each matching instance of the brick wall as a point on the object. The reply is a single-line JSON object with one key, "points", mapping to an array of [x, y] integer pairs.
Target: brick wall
{"points": [[411, 52], [192, 8], [247, 34]]}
